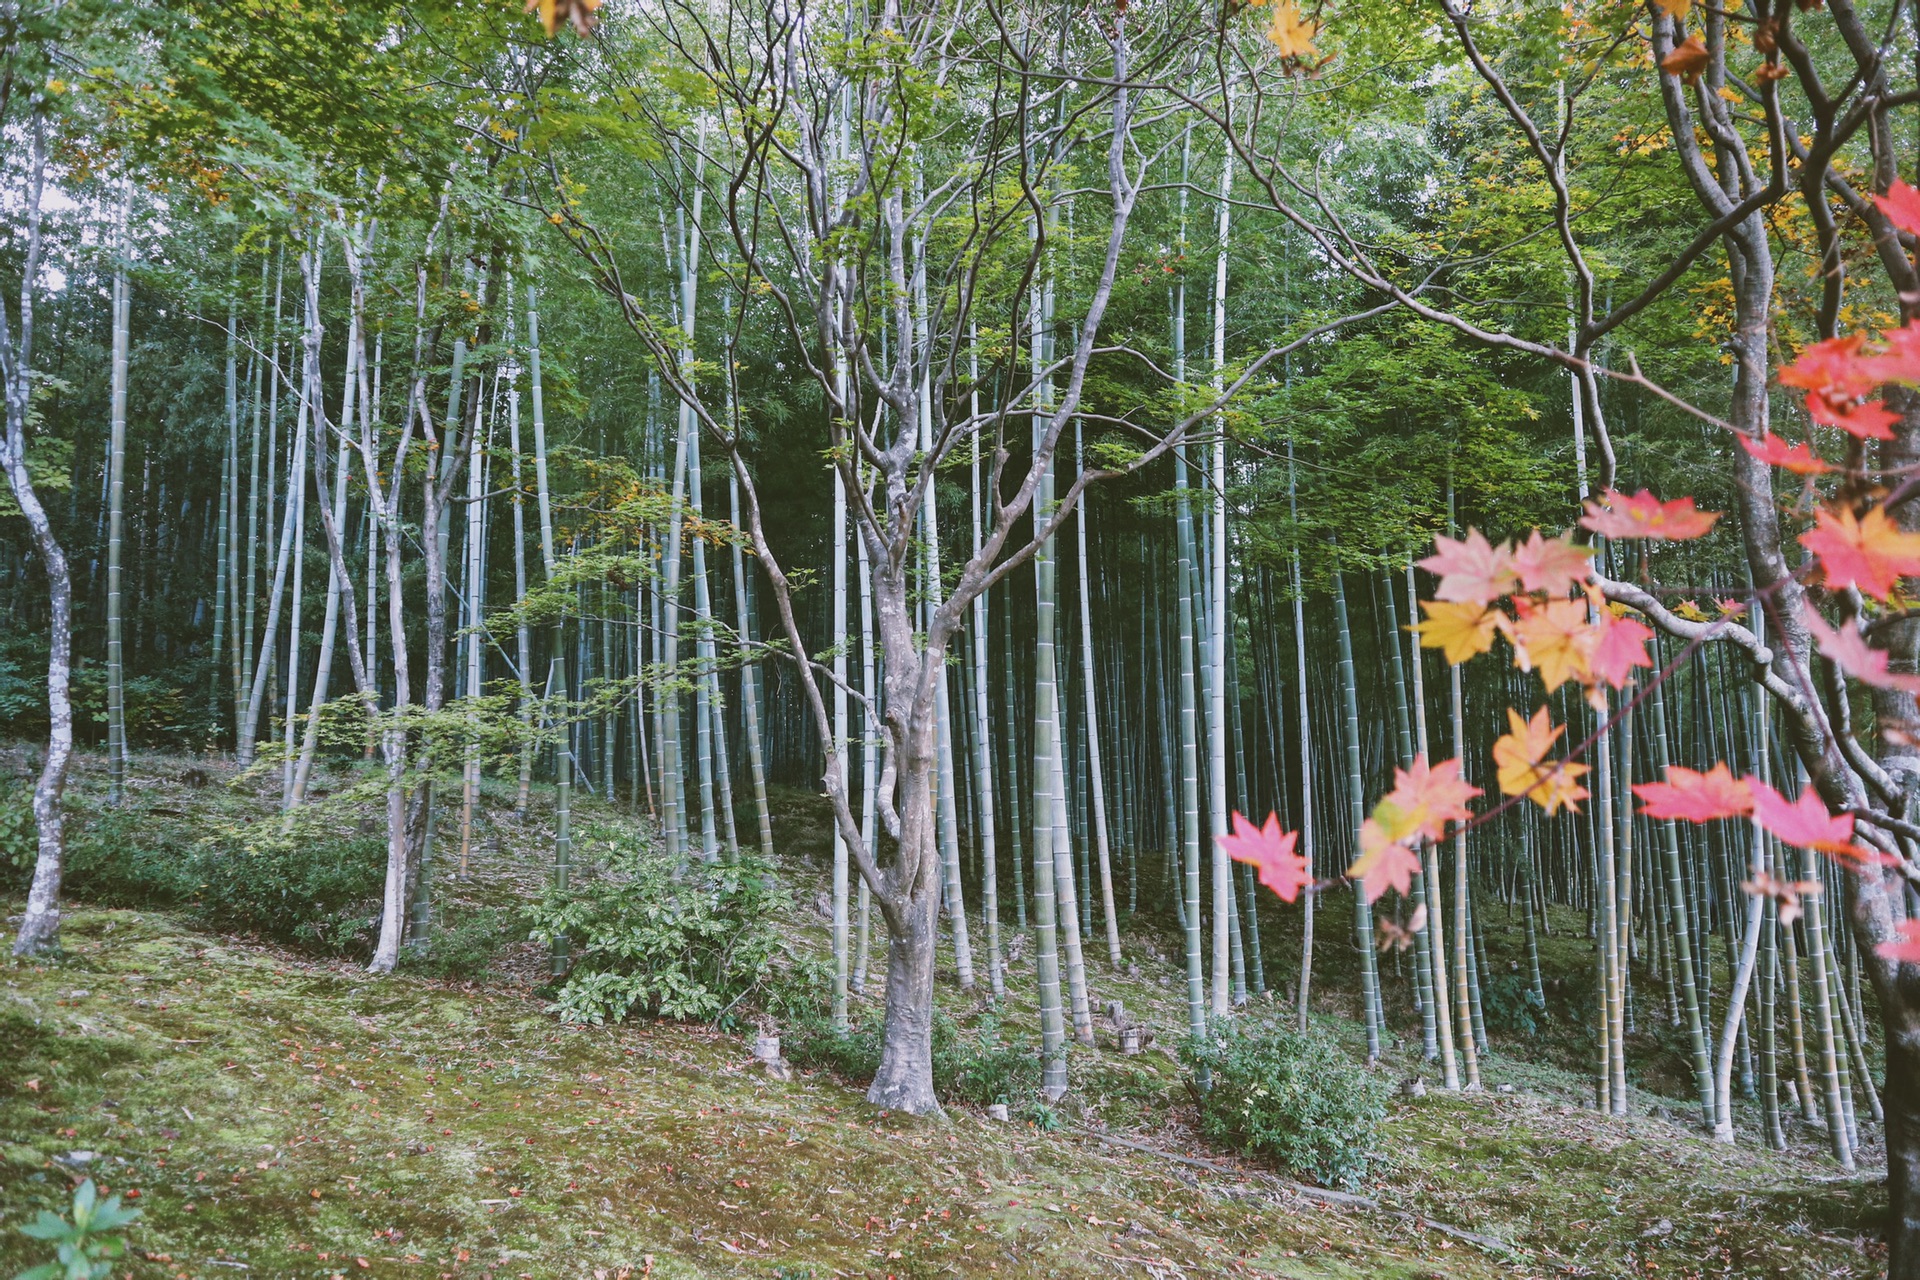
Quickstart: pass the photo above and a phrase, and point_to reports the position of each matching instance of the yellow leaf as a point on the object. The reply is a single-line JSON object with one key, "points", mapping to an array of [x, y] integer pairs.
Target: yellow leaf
{"points": [[1675, 9], [1292, 34], [1460, 629], [1523, 771], [1555, 641]]}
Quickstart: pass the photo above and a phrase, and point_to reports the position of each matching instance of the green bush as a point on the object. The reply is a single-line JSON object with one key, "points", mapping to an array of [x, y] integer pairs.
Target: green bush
{"points": [[19, 838], [311, 887], [981, 1066], [1296, 1099], [463, 943], [978, 1066], [1510, 1007], [643, 942]]}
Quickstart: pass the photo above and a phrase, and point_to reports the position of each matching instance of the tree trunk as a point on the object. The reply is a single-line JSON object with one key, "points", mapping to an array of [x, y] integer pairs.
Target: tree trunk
{"points": [[116, 509], [904, 1081]]}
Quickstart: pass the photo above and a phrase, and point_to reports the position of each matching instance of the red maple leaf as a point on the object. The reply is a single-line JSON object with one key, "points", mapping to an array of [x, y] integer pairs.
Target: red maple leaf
{"points": [[1901, 204], [1552, 565], [1472, 570], [1270, 851], [1621, 648], [1775, 452], [1805, 822], [1837, 378], [1869, 553], [1905, 950], [1847, 648], [1899, 357], [1644, 516], [1695, 797]]}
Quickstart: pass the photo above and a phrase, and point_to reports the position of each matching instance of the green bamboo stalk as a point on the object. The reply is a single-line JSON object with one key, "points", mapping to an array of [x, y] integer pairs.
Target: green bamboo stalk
{"points": [[1356, 814]]}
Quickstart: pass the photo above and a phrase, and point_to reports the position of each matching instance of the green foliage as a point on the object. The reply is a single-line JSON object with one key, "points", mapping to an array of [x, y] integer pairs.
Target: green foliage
{"points": [[464, 943], [1296, 1099], [1508, 1004], [981, 1066], [83, 1248], [978, 1066], [19, 838], [311, 886], [645, 942]]}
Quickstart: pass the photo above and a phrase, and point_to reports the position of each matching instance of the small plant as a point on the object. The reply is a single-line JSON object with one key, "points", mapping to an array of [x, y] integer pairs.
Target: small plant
{"points": [[464, 943], [19, 839], [1296, 1099], [645, 942], [84, 1250], [981, 1066], [1510, 1006]]}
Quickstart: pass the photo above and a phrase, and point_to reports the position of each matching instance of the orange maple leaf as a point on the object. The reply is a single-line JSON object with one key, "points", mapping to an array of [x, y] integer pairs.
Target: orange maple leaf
{"points": [[1644, 516], [1554, 640], [1688, 59], [1523, 770], [1871, 552]]}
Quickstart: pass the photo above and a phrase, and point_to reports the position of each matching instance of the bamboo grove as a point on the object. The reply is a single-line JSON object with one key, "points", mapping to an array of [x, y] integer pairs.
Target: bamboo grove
{"points": [[1022, 426]]}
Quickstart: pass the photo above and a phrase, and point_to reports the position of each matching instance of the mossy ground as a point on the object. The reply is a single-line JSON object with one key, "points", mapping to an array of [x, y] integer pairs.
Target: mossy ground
{"points": [[282, 1115]]}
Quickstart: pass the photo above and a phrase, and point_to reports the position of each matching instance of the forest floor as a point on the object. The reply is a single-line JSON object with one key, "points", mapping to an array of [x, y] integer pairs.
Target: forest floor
{"points": [[276, 1114]]}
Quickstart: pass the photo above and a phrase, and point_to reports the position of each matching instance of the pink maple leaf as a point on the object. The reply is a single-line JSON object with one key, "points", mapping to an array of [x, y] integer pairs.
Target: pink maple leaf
{"points": [[1552, 565], [1471, 569], [1621, 648], [1270, 851], [1847, 648], [1644, 516], [1692, 796], [1901, 204], [1383, 863], [1432, 796], [1775, 452], [1904, 950], [1899, 359], [1805, 823]]}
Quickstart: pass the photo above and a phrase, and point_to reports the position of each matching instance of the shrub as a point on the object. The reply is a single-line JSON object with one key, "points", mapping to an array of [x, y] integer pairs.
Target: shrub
{"points": [[1296, 1099], [19, 838], [977, 1066], [980, 1066], [311, 886], [1510, 1007], [645, 942], [464, 942]]}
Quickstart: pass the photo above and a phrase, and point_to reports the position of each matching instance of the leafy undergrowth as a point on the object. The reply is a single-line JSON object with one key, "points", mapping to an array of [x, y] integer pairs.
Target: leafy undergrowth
{"points": [[286, 1113], [297, 1116]]}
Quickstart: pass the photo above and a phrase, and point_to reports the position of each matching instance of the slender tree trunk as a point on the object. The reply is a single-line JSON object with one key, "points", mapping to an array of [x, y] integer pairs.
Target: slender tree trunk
{"points": [[116, 507], [1091, 714], [1306, 762], [40, 926], [556, 693], [1356, 813]]}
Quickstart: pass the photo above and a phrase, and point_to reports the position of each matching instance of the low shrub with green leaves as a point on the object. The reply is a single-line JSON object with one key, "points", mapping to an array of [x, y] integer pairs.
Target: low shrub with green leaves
{"points": [[311, 886], [1294, 1098], [463, 943], [642, 942], [979, 1065]]}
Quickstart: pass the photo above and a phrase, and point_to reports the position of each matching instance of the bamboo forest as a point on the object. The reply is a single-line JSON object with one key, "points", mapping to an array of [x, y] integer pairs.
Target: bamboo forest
{"points": [[902, 638]]}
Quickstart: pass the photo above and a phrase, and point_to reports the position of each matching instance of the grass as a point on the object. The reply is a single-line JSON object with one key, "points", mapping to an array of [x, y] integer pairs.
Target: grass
{"points": [[284, 1115]]}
